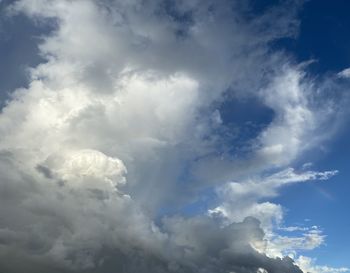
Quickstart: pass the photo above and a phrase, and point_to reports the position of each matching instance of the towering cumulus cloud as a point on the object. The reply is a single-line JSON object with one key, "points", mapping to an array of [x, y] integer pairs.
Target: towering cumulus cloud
{"points": [[126, 124]]}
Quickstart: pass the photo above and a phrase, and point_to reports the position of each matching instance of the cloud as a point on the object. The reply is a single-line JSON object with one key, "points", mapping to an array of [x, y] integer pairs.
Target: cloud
{"points": [[132, 74], [123, 120], [241, 199], [344, 73], [85, 224], [308, 265]]}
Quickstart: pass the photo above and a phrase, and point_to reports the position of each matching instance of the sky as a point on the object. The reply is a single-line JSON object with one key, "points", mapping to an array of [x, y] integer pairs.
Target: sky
{"points": [[187, 136]]}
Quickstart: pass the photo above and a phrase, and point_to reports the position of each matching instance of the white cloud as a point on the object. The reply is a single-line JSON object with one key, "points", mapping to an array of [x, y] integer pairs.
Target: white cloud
{"points": [[242, 199], [344, 73], [308, 265], [278, 245]]}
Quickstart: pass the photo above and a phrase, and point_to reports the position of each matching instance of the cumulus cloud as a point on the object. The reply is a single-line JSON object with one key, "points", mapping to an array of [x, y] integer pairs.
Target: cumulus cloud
{"points": [[123, 120]]}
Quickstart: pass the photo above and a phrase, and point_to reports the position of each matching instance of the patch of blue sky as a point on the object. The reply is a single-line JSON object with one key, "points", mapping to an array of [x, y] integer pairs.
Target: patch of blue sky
{"points": [[325, 203], [247, 114], [19, 39], [324, 38]]}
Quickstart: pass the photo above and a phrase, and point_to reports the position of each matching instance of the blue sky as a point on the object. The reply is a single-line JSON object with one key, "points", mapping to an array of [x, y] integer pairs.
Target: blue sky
{"points": [[181, 119], [19, 42], [323, 37]]}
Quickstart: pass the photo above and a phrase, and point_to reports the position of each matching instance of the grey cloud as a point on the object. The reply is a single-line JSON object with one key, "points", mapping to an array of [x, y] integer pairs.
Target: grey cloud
{"points": [[45, 171]]}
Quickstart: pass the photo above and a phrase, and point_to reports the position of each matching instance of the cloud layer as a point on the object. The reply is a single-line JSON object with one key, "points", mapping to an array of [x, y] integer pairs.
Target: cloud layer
{"points": [[123, 121]]}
